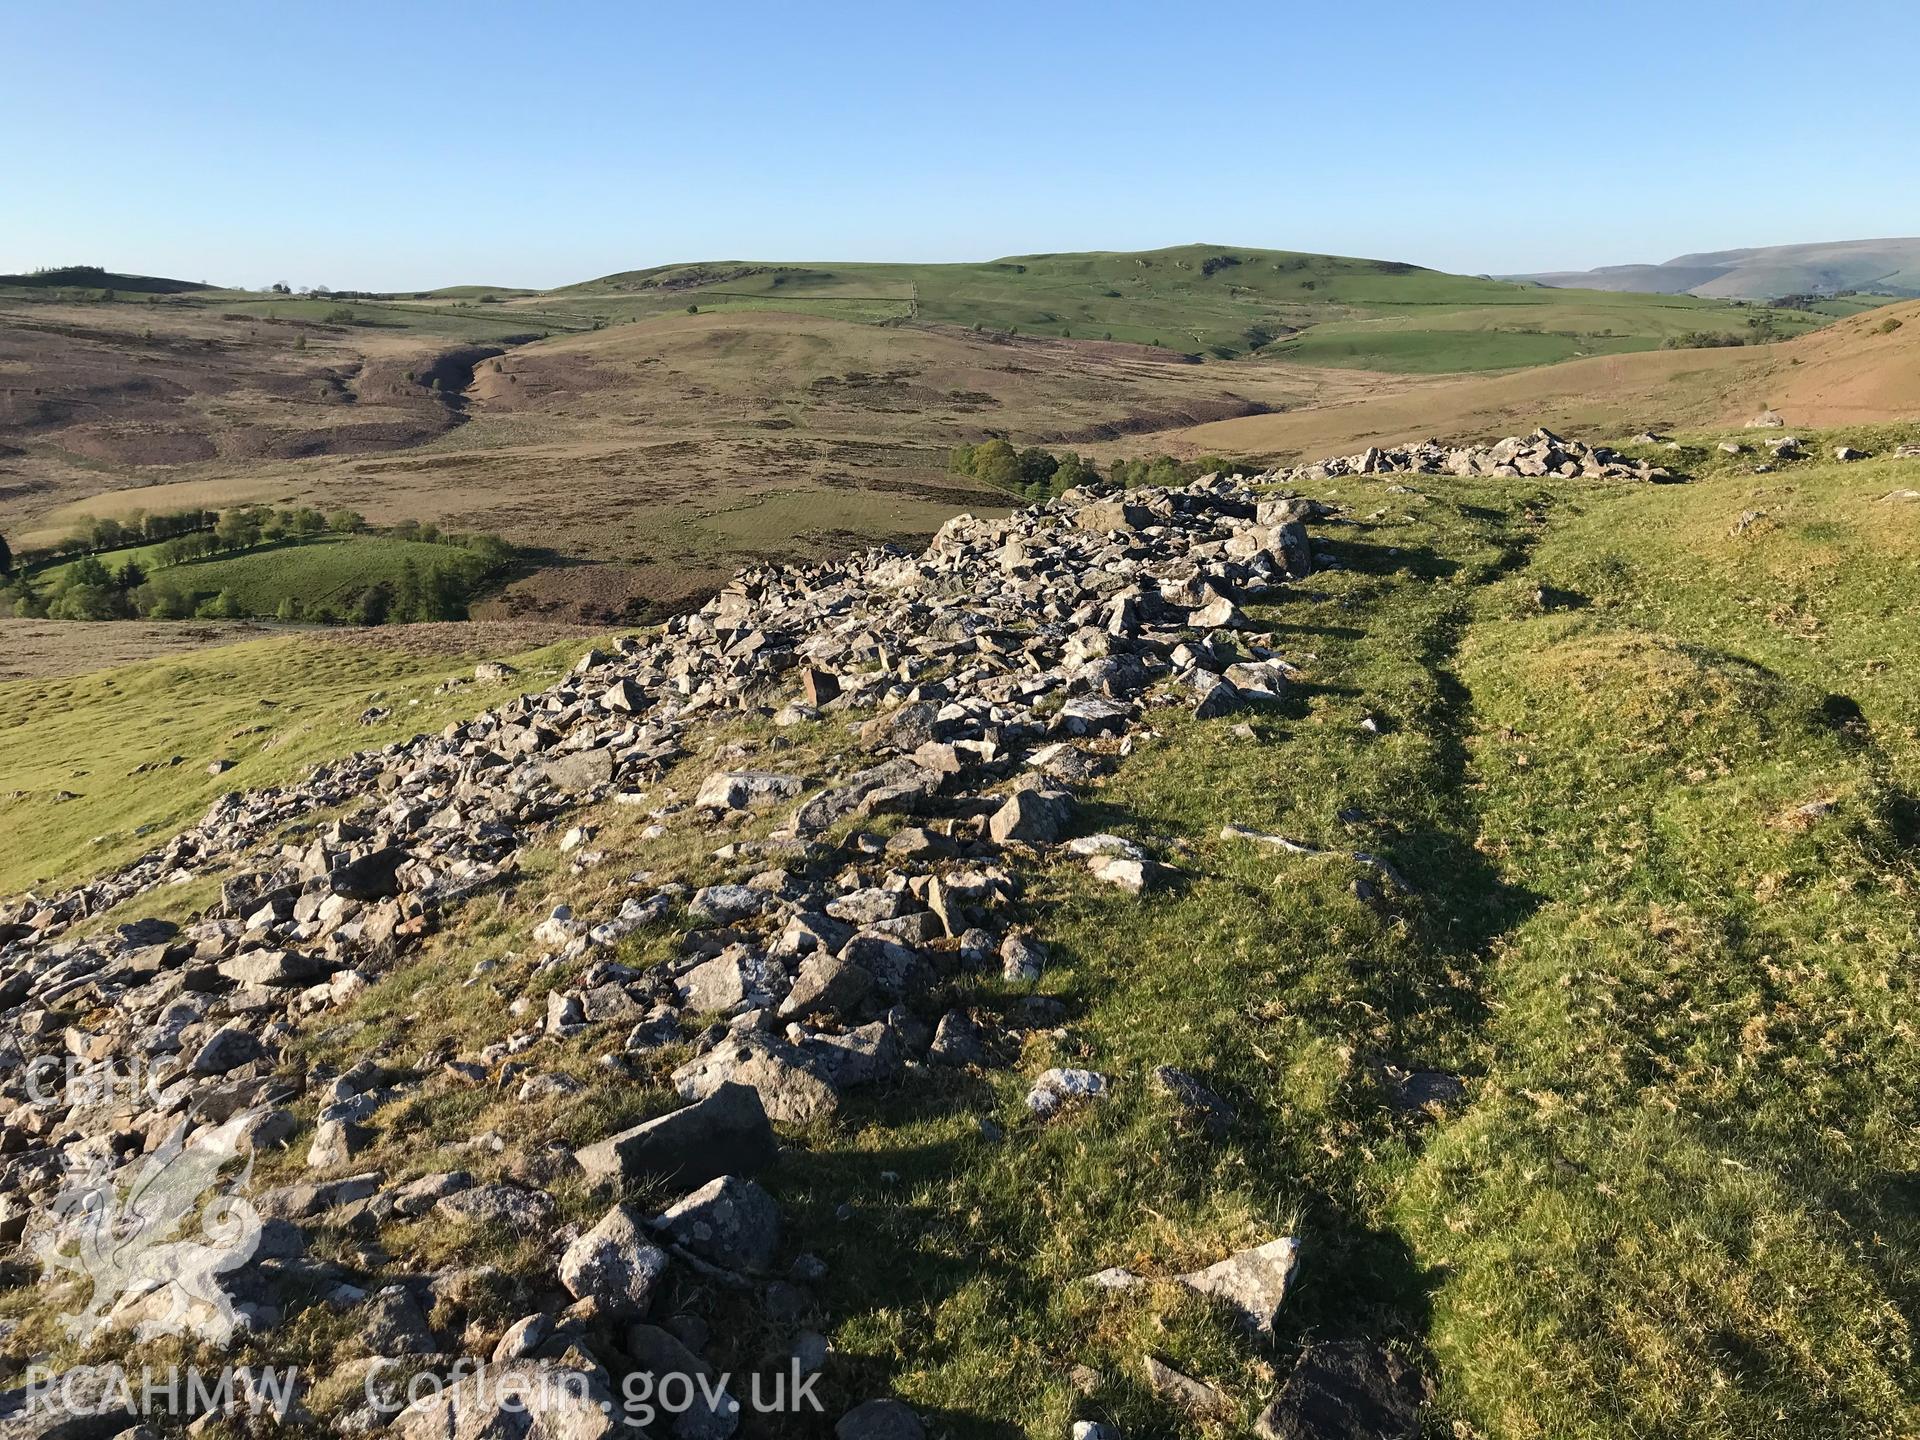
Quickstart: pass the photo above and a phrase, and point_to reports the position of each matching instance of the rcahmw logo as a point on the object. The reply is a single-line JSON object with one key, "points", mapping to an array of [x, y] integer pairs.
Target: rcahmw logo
{"points": [[133, 1238], [175, 1391]]}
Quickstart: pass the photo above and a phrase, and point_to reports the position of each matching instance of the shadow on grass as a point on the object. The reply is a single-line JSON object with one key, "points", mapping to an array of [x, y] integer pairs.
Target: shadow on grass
{"points": [[1365, 558], [941, 1284]]}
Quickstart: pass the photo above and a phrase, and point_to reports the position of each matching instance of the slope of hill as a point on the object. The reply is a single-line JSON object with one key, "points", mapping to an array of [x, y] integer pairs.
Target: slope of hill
{"points": [[1216, 300], [92, 277], [1887, 267], [1470, 968], [1861, 370]]}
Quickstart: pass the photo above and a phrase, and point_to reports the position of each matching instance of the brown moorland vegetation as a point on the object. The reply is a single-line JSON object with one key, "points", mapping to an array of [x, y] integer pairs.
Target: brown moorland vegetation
{"points": [[1859, 371]]}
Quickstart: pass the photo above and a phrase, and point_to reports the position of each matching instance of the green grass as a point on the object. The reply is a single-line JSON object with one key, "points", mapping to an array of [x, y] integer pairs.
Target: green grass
{"points": [[328, 570], [272, 706], [475, 323], [1445, 350], [324, 571], [1841, 306], [147, 557]]}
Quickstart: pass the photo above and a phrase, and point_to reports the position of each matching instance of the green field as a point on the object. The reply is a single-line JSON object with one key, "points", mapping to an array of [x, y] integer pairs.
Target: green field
{"points": [[319, 573], [71, 802], [1441, 351], [326, 570]]}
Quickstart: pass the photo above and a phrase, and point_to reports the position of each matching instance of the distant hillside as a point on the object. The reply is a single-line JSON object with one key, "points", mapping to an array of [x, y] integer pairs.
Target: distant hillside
{"points": [[94, 278], [1215, 300], [1864, 370], [1884, 267]]}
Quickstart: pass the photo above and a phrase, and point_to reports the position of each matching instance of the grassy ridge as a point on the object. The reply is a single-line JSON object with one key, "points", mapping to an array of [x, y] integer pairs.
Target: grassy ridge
{"points": [[1674, 1201], [1222, 301], [1218, 300], [1646, 758]]}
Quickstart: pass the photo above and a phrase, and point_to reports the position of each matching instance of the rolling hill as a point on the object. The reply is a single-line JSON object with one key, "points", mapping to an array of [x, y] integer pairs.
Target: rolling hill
{"points": [[644, 452], [1863, 370], [92, 277], [1215, 300], [1885, 267]]}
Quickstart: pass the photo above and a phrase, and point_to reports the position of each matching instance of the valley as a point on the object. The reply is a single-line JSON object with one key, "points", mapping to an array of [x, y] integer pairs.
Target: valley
{"points": [[642, 435]]}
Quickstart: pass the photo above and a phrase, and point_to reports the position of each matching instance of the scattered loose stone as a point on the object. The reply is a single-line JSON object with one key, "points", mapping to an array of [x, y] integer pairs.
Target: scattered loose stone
{"points": [[1346, 1390], [879, 1420], [1058, 1087], [512, 1206], [1198, 1105], [1253, 1283], [1182, 1389], [730, 1221], [724, 1134], [614, 1264], [1021, 959], [1032, 815]]}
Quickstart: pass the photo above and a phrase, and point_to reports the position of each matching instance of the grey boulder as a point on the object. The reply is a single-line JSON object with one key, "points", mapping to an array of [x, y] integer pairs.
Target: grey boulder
{"points": [[614, 1264]]}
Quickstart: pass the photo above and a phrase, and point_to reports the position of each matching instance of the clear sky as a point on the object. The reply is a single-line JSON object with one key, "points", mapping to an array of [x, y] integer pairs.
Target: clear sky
{"points": [[402, 144]]}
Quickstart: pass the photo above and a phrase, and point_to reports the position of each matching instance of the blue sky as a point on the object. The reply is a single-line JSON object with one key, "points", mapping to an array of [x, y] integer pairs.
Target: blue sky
{"points": [[400, 145]]}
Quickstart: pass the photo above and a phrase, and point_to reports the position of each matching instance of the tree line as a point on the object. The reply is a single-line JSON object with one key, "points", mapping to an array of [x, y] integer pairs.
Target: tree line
{"points": [[1035, 473]]}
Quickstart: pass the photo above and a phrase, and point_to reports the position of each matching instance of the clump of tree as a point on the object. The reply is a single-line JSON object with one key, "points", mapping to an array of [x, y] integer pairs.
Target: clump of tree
{"points": [[1033, 473], [23, 598], [244, 527], [1166, 471], [1702, 340], [1039, 474], [87, 589], [107, 532]]}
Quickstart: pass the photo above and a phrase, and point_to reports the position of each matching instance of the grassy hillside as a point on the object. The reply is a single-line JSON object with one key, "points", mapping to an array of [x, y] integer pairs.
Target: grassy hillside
{"points": [[1861, 369], [1646, 758], [88, 772], [319, 573], [92, 277], [1215, 300]]}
